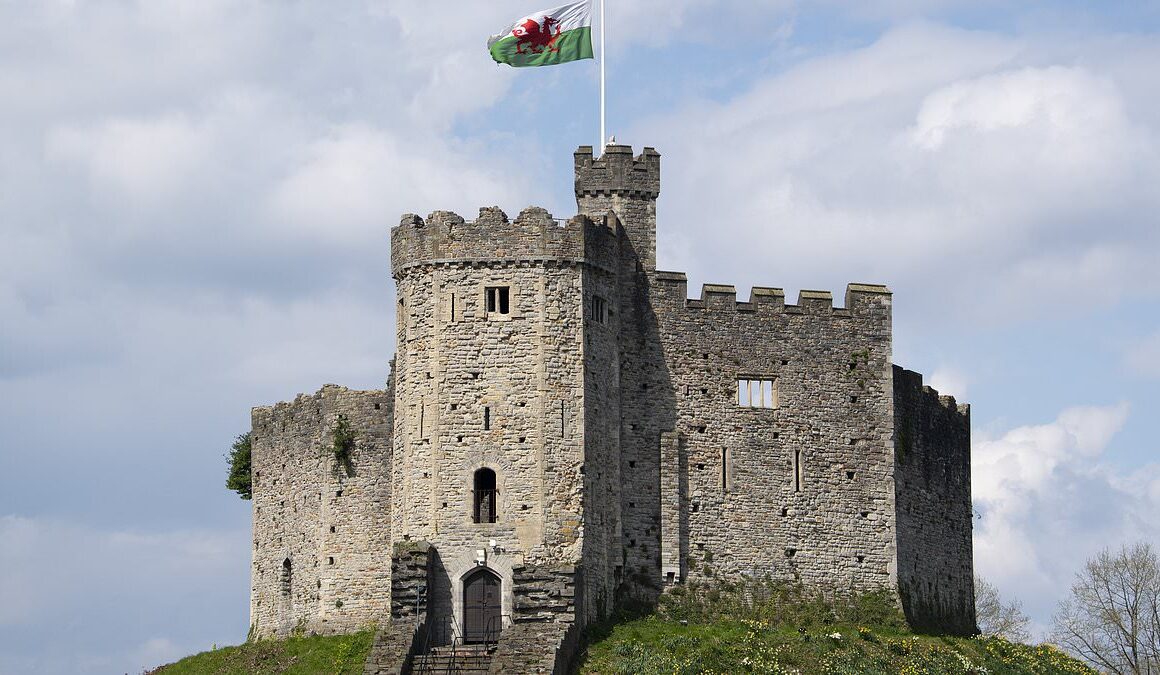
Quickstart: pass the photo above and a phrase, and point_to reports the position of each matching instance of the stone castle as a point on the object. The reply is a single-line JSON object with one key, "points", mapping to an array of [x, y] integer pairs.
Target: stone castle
{"points": [[564, 428]]}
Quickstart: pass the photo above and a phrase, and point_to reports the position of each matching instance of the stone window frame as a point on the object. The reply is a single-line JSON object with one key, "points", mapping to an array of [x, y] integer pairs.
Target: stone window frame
{"points": [[488, 302], [766, 388], [469, 487]]}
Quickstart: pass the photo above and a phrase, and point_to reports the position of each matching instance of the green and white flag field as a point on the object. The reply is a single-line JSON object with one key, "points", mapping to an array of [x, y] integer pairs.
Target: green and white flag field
{"points": [[546, 38]]}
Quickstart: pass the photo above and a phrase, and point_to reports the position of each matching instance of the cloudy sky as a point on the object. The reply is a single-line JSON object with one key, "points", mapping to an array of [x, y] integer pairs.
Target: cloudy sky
{"points": [[195, 198]]}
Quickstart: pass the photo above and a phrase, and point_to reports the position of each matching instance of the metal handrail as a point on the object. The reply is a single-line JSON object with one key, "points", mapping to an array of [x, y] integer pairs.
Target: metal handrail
{"points": [[430, 634], [491, 631]]}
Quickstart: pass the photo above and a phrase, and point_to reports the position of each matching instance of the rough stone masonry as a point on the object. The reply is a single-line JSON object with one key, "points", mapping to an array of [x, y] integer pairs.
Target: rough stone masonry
{"points": [[564, 428]]}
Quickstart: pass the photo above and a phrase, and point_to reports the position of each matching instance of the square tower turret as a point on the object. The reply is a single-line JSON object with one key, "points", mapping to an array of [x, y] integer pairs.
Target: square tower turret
{"points": [[626, 185]]}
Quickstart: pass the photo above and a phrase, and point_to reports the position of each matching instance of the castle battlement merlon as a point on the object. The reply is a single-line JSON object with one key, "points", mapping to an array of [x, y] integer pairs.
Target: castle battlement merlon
{"points": [[535, 236], [617, 172], [673, 287]]}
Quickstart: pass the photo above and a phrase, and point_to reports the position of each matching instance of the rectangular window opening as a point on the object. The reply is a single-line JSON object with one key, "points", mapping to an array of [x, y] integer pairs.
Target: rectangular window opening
{"points": [[497, 299], [797, 470], [486, 418], [453, 308], [599, 309], [757, 392]]}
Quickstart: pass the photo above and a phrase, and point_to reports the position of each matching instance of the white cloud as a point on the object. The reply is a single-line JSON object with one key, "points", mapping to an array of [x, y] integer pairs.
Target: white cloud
{"points": [[950, 381], [1048, 500], [953, 165]]}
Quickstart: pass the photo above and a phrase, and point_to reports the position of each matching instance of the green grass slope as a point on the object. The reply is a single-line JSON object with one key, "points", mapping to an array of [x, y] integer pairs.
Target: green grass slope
{"points": [[653, 646], [313, 655]]}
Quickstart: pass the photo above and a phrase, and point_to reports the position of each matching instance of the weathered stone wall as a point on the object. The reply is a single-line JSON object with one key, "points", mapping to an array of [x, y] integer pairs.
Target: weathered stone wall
{"points": [[321, 556], [536, 649], [933, 487], [802, 489], [479, 389]]}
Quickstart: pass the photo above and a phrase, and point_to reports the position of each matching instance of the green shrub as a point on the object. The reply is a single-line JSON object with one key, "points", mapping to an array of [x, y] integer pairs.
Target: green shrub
{"points": [[239, 479]]}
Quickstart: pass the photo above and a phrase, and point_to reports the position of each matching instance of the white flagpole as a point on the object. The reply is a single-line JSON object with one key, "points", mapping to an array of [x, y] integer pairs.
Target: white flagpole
{"points": [[603, 54]]}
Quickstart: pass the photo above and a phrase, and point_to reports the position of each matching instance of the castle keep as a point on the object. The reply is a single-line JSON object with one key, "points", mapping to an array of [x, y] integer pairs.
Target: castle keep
{"points": [[564, 428]]}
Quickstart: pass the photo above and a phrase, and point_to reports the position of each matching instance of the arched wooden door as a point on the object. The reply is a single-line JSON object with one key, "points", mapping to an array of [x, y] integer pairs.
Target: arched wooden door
{"points": [[482, 607]]}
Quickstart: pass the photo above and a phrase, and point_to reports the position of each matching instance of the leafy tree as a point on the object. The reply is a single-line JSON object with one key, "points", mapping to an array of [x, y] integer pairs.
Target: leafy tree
{"points": [[1112, 618], [239, 479], [997, 619]]}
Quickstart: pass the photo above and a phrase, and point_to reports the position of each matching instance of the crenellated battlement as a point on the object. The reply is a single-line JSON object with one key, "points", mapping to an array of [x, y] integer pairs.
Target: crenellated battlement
{"points": [[672, 287], [617, 172], [535, 235]]}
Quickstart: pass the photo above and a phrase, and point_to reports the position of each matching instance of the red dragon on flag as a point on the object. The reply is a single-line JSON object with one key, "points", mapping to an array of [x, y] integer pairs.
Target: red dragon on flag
{"points": [[537, 37], [545, 38]]}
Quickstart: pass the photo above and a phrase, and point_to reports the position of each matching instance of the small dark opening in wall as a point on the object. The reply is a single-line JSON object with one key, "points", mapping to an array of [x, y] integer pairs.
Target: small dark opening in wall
{"points": [[785, 511], [475, 376], [704, 390], [853, 399], [790, 552], [632, 464], [850, 475], [861, 558], [669, 577], [332, 529], [700, 467], [853, 365], [486, 418], [696, 507], [484, 507], [330, 560], [776, 435], [700, 546], [459, 438], [426, 474], [701, 429], [338, 493], [378, 407], [581, 469], [444, 504], [523, 438], [785, 362], [705, 355], [864, 514], [318, 584], [429, 375], [632, 505], [632, 543], [523, 507], [455, 406], [853, 441]]}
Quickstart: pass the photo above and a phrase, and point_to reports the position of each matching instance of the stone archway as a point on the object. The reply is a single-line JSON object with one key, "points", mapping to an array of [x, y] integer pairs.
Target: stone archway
{"points": [[482, 606]]}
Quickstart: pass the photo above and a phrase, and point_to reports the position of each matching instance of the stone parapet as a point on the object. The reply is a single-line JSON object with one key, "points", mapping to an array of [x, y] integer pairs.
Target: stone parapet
{"points": [[533, 237]]}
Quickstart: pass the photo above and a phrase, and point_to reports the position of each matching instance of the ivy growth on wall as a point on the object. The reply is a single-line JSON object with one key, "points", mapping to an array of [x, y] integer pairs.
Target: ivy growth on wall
{"points": [[343, 439]]}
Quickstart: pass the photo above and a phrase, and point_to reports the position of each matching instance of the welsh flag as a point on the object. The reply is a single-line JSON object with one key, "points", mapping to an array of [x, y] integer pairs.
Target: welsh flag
{"points": [[546, 38]]}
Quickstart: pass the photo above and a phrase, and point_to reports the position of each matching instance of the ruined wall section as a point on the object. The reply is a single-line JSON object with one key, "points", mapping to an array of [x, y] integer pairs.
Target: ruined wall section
{"points": [[802, 488], [481, 388], [935, 519], [321, 530]]}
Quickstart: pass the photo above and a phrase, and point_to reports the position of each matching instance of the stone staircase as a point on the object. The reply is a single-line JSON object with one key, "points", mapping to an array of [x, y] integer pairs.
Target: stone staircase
{"points": [[461, 659]]}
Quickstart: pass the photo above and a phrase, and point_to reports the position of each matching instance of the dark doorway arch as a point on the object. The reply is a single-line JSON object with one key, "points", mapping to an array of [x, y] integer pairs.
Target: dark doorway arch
{"points": [[484, 502], [482, 606]]}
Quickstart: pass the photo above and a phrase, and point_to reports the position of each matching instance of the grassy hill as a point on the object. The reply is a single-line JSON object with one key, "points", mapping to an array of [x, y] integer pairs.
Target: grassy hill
{"points": [[654, 646], [721, 628], [313, 655]]}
